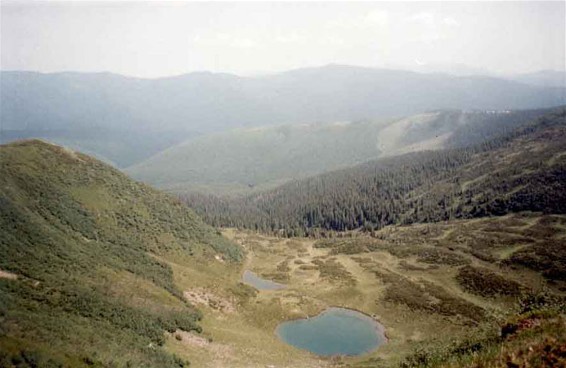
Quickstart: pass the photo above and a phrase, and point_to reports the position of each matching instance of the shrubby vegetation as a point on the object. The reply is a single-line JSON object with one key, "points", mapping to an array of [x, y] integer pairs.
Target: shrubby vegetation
{"points": [[334, 272], [426, 296], [69, 223], [486, 283], [535, 337], [547, 257]]}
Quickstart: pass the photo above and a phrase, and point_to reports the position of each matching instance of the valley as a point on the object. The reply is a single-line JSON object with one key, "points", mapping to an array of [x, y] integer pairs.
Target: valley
{"points": [[397, 277], [461, 254], [269, 184]]}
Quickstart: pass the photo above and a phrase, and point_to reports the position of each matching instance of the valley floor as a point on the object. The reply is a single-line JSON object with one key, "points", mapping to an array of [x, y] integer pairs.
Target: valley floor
{"points": [[428, 284]]}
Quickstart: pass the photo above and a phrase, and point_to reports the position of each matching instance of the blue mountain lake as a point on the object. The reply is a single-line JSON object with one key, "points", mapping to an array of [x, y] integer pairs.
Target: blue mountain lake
{"points": [[336, 331], [257, 282]]}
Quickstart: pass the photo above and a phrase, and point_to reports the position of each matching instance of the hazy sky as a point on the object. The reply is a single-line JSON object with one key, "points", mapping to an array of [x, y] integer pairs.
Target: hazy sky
{"points": [[150, 39]]}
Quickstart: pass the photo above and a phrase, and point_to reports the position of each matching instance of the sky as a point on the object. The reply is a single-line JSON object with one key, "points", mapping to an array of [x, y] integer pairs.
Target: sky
{"points": [[156, 39]]}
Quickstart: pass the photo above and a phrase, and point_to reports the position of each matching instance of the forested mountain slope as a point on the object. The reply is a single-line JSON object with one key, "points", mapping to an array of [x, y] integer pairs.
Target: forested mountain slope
{"points": [[252, 159], [521, 171], [125, 120], [82, 276]]}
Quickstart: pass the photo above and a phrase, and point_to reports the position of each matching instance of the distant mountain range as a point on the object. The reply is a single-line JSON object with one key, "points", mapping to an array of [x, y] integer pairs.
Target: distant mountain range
{"points": [[125, 120], [251, 159]]}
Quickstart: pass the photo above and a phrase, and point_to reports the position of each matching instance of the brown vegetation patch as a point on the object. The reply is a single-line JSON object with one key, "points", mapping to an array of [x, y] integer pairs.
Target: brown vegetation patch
{"points": [[484, 256], [486, 283], [204, 297], [411, 267], [548, 257], [546, 227], [283, 266], [426, 296], [334, 271], [308, 267], [189, 338], [297, 245], [548, 354], [354, 245], [276, 276], [441, 256], [218, 352]]}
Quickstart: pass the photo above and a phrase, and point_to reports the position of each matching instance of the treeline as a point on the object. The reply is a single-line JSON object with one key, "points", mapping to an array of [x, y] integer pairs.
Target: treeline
{"points": [[522, 171]]}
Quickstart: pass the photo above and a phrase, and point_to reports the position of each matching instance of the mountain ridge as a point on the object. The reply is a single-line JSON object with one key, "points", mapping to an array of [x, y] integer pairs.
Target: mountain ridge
{"points": [[250, 159], [156, 113]]}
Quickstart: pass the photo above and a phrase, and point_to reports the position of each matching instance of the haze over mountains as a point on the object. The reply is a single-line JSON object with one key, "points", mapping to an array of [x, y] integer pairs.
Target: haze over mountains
{"points": [[125, 120], [245, 160], [547, 78]]}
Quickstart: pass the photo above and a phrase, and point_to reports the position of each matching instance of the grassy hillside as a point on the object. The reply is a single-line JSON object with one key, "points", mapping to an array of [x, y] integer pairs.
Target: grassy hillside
{"points": [[522, 171], [83, 280], [246, 160]]}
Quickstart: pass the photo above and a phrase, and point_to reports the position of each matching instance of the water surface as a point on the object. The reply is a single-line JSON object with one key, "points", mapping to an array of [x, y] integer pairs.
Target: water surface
{"points": [[336, 331], [254, 280]]}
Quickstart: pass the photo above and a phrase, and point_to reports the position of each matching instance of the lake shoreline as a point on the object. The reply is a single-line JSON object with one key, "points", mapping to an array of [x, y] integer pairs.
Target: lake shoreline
{"points": [[381, 337]]}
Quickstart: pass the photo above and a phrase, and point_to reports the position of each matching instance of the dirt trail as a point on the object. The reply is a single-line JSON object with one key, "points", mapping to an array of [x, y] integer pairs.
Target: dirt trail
{"points": [[8, 275]]}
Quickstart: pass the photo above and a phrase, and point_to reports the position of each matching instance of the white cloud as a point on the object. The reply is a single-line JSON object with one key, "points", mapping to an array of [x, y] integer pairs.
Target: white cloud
{"points": [[377, 17], [247, 37], [424, 18], [373, 18], [429, 37], [243, 43], [430, 27], [450, 22], [291, 38], [225, 40], [419, 62], [432, 20], [333, 41]]}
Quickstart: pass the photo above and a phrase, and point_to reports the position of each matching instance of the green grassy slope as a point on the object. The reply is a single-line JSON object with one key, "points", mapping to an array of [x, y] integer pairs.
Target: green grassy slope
{"points": [[82, 283], [245, 160]]}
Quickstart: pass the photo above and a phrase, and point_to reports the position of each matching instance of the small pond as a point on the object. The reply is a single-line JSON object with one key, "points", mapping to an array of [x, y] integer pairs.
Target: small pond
{"points": [[336, 331], [257, 282]]}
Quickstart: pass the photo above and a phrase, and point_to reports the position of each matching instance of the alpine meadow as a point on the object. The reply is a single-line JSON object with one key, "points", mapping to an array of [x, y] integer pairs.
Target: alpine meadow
{"points": [[282, 184]]}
